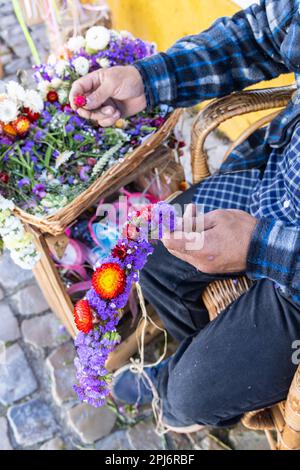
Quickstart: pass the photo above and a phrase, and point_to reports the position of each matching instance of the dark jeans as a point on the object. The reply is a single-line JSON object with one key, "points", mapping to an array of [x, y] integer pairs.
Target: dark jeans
{"points": [[239, 362]]}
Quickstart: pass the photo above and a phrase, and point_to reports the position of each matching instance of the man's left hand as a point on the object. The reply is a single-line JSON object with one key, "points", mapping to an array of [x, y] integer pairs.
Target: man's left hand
{"points": [[220, 246]]}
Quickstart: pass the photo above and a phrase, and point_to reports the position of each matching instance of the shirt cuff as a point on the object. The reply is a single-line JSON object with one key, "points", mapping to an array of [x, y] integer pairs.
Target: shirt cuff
{"points": [[159, 79], [273, 253]]}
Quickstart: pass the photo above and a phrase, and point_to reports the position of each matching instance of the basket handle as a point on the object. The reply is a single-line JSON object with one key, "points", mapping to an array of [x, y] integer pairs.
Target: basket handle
{"points": [[223, 109]]}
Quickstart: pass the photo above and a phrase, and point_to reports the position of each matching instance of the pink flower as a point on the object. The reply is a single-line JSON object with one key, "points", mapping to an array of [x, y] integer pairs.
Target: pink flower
{"points": [[80, 101]]}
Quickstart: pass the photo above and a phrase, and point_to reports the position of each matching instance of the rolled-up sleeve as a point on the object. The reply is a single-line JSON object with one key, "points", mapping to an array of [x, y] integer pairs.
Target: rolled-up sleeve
{"points": [[234, 53]]}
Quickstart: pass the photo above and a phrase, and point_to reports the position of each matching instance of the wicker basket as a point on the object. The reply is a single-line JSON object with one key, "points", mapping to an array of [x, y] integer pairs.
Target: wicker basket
{"points": [[55, 224]]}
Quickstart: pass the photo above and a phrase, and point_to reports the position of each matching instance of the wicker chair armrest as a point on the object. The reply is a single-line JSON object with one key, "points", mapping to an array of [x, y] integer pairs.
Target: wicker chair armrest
{"points": [[222, 109]]}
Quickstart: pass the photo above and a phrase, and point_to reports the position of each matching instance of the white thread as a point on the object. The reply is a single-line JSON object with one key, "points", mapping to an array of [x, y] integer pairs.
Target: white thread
{"points": [[138, 366]]}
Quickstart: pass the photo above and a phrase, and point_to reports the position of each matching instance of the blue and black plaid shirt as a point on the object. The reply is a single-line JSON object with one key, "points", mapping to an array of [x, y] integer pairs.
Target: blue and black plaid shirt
{"points": [[262, 176]]}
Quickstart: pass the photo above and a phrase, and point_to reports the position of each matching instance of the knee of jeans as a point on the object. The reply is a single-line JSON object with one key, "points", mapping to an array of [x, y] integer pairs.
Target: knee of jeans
{"points": [[190, 405]]}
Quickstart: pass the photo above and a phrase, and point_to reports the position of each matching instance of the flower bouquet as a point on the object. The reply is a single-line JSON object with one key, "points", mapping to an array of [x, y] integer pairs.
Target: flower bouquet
{"points": [[53, 163]]}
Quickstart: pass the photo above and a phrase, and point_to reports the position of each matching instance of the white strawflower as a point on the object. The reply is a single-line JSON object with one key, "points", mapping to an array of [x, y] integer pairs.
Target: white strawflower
{"points": [[55, 83], [6, 204], [104, 63], [8, 110], [63, 96], [97, 38], [61, 67], [81, 65], [15, 91], [76, 43], [51, 60], [126, 34], [33, 101], [43, 87]]}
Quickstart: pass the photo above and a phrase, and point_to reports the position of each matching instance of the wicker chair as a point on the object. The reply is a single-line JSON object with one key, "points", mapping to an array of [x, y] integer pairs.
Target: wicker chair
{"points": [[283, 418]]}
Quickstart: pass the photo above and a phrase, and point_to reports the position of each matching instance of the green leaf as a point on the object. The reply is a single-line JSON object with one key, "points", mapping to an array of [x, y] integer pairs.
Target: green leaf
{"points": [[48, 156]]}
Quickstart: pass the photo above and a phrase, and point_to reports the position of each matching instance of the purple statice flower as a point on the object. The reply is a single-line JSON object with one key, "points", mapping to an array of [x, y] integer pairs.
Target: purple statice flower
{"points": [[69, 128], [93, 378], [39, 190], [23, 182], [5, 140], [39, 135], [78, 137], [98, 304], [83, 173]]}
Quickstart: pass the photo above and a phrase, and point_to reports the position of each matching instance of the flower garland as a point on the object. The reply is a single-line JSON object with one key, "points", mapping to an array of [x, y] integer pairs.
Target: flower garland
{"points": [[98, 315], [15, 239]]}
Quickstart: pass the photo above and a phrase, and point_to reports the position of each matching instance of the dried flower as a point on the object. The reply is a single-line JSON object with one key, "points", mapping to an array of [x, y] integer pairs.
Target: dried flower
{"points": [[80, 101], [8, 110], [83, 316]]}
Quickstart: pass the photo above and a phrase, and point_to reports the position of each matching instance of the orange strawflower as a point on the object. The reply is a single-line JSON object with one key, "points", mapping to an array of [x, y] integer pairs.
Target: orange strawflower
{"points": [[21, 125], [109, 281], [9, 130]]}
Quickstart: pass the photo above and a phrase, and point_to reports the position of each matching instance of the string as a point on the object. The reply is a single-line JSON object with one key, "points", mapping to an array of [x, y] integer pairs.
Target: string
{"points": [[138, 365]]}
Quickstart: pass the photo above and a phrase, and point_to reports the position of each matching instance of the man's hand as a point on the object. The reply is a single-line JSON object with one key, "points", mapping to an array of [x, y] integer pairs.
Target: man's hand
{"points": [[111, 94], [219, 246]]}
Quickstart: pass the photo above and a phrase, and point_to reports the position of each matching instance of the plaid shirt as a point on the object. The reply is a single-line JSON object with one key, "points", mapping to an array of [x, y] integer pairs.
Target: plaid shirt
{"points": [[262, 176]]}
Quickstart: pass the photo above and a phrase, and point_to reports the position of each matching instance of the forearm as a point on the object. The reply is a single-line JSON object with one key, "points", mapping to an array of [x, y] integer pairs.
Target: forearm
{"points": [[233, 54]]}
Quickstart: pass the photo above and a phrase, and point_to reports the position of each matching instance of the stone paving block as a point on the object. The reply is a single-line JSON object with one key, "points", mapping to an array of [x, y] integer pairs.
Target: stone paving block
{"points": [[4, 440], [209, 443], [11, 275], [43, 331], [16, 377], [9, 328], [32, 422], [91, 424], [142, 436], [62, 373], [30, 300], [245, 439], [115, 441], [54, 444]]}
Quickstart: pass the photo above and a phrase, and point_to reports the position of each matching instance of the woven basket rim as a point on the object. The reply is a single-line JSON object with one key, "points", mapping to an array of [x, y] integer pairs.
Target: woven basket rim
{"points": [[56, 223]]}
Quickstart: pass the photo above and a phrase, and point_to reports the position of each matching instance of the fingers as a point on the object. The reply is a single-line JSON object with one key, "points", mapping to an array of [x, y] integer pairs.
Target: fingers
{"points": [[83, 86], [103, 117], [183, 242]]}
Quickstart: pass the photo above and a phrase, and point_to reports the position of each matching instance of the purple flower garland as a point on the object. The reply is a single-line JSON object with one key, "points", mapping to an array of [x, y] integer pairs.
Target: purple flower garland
{"points": [[131, 255]]}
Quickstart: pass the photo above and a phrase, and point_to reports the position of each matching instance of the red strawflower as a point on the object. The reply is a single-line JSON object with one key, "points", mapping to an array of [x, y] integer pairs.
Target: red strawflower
{"points": [[83, 316], [119, 251], [52, 96], [130, 232], [109, 281], [21, 125], [66, 107], [4, 177], [32, 116], [145, 213], [80, 101], [91, 161]]}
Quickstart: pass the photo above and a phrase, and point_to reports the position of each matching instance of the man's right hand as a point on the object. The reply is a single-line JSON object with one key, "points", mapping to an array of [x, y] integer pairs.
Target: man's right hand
{"points": [[111, 94]]}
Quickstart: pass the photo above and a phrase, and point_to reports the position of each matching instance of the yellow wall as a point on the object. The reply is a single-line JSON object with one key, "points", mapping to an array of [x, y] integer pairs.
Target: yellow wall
{"points": [[165, 21]]}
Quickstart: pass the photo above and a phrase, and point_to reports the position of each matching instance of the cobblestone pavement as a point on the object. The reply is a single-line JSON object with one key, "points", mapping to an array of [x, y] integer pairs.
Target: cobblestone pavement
{"points": [[38, 409]]}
